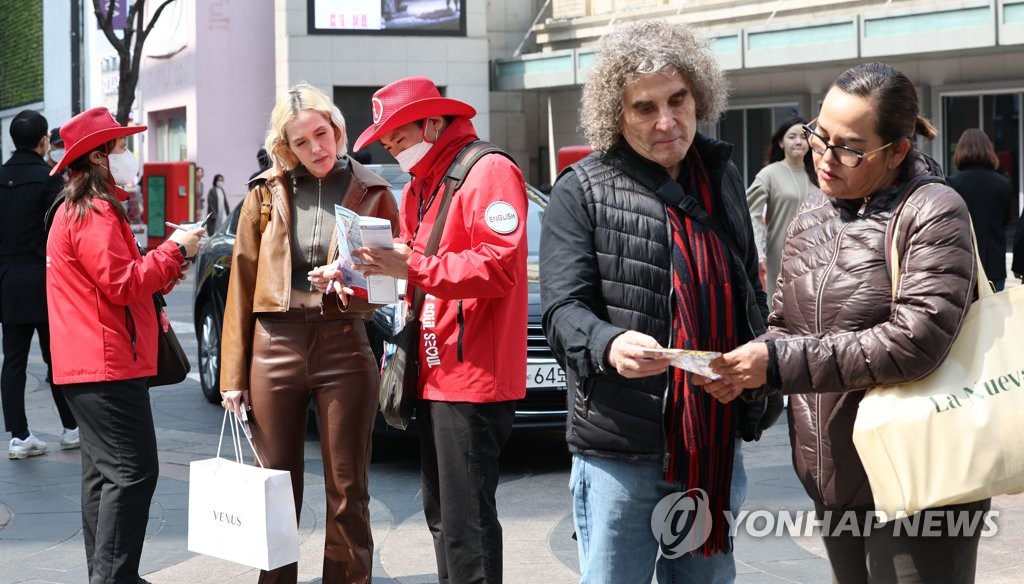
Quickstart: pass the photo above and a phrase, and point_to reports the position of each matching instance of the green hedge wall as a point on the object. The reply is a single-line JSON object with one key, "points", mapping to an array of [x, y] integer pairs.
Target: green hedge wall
{"points": [[21, 52]]}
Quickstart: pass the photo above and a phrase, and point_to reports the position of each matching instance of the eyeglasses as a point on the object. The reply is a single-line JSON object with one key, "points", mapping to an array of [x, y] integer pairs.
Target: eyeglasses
{"points": [[847, 156]]}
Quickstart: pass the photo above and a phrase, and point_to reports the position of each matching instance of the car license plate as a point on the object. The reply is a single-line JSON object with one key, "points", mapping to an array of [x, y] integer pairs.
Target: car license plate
{"points": [[545, 375]]}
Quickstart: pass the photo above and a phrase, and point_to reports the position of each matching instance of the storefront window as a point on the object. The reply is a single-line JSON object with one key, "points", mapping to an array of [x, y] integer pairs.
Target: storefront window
{"points": [[171, 136]]}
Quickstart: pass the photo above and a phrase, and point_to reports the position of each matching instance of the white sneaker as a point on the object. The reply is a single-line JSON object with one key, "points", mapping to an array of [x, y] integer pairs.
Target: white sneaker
{"points": [[69, 439], [30, 446]]}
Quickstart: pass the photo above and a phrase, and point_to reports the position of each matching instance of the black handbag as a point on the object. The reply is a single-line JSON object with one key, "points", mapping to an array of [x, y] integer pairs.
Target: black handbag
{"points": [[172, 365], [399, 379]]}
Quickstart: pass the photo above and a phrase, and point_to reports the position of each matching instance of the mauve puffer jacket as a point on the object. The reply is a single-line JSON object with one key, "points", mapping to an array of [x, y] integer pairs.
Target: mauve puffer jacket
{"points": [[838, 331]]}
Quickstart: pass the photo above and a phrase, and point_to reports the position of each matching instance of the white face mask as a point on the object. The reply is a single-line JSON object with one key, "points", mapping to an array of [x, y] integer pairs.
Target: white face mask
{"points": [[124, 167], [57, 154], [410, 156]]}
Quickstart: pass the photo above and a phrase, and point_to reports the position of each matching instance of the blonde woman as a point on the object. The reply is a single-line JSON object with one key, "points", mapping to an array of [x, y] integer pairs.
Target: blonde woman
{"points": [[284, 341]]}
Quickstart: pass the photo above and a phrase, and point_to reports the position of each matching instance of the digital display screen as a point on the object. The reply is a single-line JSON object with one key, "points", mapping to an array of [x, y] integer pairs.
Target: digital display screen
{"points": [[396, 17]]}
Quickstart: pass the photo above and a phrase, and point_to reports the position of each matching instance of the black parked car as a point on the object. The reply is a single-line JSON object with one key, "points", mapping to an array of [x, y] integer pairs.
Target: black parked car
{"points": [[544, 405]]}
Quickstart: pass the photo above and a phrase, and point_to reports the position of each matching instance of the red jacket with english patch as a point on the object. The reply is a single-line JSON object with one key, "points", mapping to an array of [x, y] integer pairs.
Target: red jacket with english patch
{"points": [[473, 334]]}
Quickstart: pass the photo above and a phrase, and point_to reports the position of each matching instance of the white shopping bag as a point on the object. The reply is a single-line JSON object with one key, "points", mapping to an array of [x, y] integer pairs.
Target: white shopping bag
{"points": [[241, 513], [957, 434]]}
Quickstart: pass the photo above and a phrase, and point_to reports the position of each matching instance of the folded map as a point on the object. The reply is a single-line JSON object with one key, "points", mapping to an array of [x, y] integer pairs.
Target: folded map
{"points": [[355, 231], [688, 360]]}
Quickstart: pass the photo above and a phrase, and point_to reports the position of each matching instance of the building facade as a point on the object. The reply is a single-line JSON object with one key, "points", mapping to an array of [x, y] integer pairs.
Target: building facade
{"points": [[966, 58], [213, 68]]}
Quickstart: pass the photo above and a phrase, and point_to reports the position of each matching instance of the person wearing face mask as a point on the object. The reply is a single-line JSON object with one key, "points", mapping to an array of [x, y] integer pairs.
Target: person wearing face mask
{"points": [[217, 203], [56, 151], [473, 334], [284, 341], [26, 192], [99, 289], [777, 191]]}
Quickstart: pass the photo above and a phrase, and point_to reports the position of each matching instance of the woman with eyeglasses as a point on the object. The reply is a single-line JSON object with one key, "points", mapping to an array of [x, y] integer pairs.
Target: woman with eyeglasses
{"points": [[838, 328]]}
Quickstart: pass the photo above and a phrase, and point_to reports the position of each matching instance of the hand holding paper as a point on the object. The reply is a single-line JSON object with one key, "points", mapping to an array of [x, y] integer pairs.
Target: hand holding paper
{"points": [[360, 233], [693, 361]]}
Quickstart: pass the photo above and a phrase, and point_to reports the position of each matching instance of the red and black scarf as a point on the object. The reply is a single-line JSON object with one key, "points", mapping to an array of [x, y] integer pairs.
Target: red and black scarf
{"points": [[700, 429]]}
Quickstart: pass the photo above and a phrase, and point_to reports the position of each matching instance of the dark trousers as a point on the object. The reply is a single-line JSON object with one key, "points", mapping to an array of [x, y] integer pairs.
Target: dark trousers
{"points": [[16, 346], [295, 355], [459, 448], [886, 556], [119, 474]]}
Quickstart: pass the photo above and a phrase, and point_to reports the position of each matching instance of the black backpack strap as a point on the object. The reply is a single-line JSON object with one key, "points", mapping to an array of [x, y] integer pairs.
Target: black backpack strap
{"points": [[465, 160], [672, 192], [51, 213]]}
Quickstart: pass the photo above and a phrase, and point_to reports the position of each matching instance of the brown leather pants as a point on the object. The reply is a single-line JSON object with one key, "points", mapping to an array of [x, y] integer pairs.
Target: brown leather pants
{"points": [[296, 355]]}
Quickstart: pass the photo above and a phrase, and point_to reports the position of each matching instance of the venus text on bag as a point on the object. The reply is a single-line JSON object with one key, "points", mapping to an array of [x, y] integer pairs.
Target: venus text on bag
{"points": [[968, 396], [227, 518]]}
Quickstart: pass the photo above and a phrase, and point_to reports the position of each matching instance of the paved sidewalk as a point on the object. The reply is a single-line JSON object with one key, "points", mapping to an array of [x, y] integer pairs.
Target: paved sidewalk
{"points": [[41, 541]]}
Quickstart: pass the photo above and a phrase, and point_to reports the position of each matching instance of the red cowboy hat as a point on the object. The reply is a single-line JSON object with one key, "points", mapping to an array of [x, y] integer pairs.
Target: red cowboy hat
{"points": [[88, 130], [405, 101]]}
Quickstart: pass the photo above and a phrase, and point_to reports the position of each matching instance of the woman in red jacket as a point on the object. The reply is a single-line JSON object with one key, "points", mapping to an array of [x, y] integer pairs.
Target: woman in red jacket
{"points": [[103, 324]]}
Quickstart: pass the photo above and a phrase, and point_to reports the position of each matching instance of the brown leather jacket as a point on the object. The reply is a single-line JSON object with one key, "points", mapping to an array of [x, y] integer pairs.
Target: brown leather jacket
{"points": [[838, 331], [261, 262]]}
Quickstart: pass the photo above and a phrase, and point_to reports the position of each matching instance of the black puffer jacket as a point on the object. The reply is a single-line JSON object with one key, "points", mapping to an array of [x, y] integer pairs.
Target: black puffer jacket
{"points": [[606, 268], [838, 331]]}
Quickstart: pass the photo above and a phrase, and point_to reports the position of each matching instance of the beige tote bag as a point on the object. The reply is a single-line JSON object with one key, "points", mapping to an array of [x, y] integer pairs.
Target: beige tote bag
{"points": [[956, 435]]}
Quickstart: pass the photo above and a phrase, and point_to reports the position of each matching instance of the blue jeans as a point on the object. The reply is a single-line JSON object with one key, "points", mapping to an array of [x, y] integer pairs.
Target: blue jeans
{"points": [[613, 501]]}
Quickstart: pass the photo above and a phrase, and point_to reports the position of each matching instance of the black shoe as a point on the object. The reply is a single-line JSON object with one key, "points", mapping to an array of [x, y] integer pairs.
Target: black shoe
{"points": [[143, 581]]}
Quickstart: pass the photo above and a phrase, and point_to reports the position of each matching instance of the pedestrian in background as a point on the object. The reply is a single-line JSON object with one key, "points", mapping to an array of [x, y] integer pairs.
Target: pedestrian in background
{"points": [[104, 323], [647, 244], [200, 193], [284, 341], [56, 151], [262, 163], [776, 193], [989, 196], [476, 292], [26, 191], [838, 328], [217, 203]]}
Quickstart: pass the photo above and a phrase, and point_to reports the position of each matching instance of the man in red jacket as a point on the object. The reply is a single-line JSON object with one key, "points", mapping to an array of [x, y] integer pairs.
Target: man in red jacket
{"points": [[473, 334]]}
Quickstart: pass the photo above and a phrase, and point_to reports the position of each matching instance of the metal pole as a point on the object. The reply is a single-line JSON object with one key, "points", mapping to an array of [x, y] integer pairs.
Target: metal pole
{"points": [[76, 57], [519, 49], [552, 154]]}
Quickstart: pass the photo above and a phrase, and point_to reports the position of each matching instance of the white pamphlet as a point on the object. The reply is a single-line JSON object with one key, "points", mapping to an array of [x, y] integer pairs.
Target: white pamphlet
{"points": [[355, 231]]}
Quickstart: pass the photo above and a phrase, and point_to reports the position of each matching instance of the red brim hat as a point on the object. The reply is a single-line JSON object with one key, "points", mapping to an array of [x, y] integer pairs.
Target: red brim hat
{"points": [[405, 101], [88, 130]]}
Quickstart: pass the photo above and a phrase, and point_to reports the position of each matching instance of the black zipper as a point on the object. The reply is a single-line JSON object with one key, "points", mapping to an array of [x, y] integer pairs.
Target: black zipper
{"points": [[462, 329], [129, 323]]}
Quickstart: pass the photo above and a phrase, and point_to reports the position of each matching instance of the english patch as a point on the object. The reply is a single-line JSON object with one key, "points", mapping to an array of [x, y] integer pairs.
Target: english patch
{"points": [[501, 217]]}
